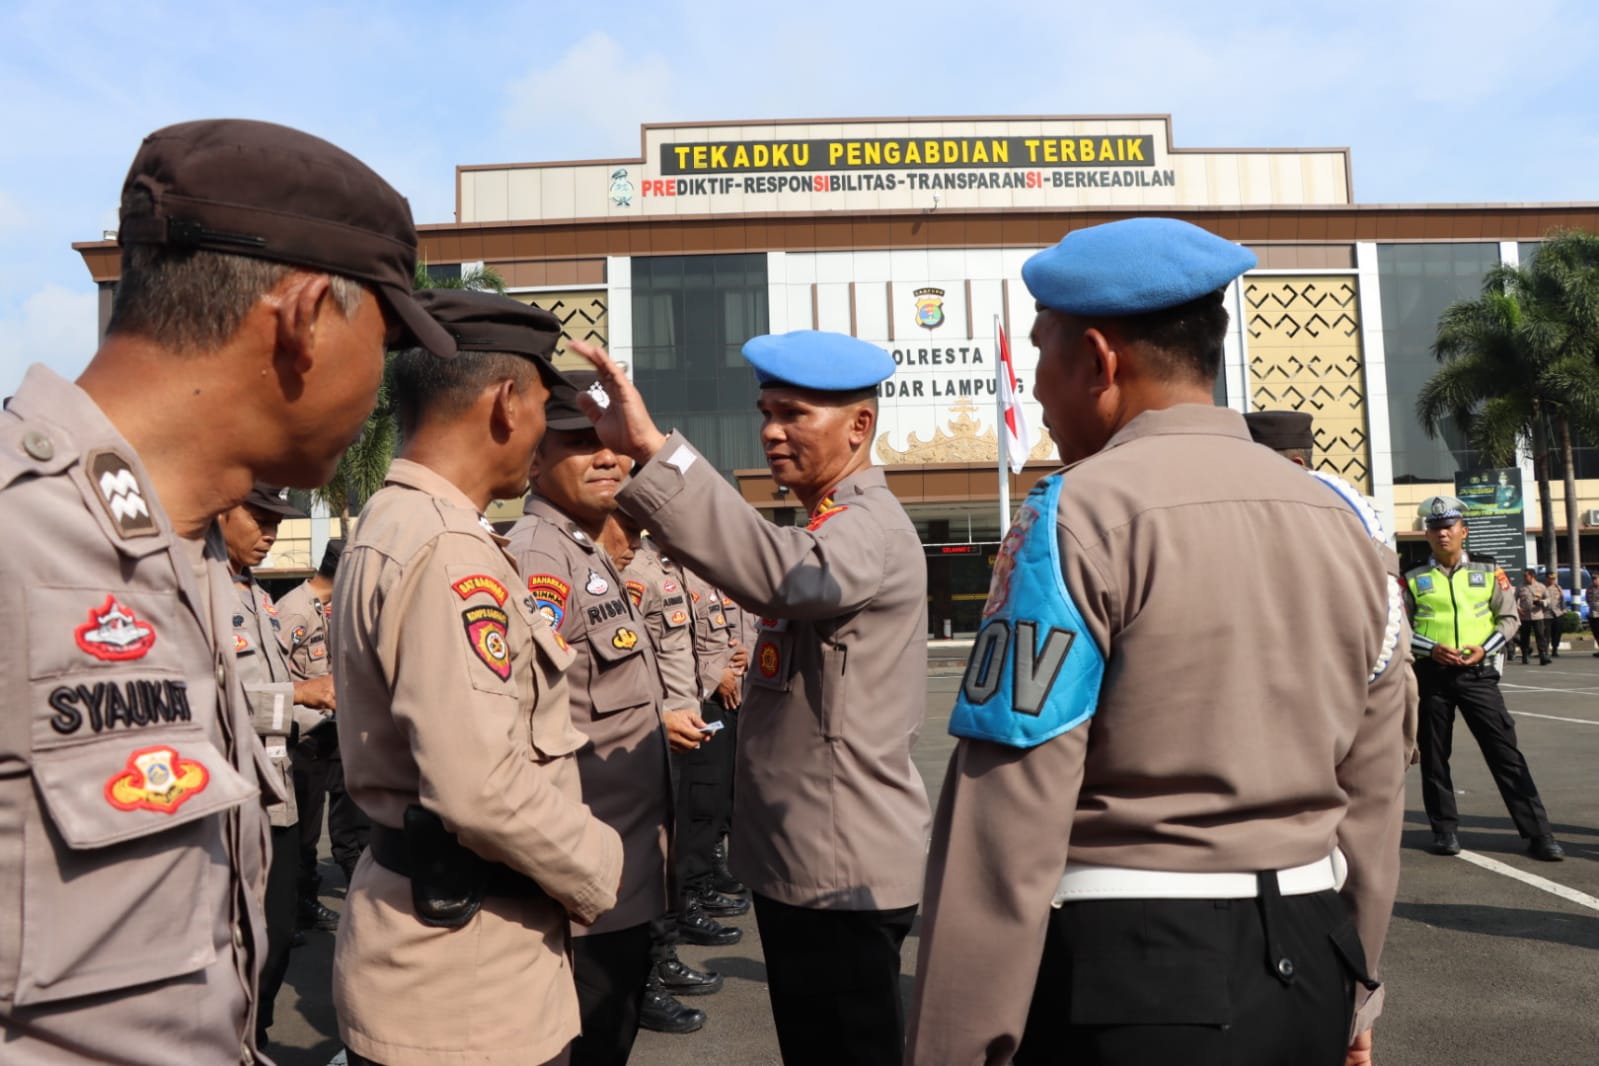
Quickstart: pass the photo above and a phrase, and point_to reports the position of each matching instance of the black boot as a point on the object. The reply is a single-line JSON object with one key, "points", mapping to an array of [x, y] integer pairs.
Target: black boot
{"points": [[662, 1014], [315, 915], [719, 904], [681, 979], [722, 878], [697, 927]]}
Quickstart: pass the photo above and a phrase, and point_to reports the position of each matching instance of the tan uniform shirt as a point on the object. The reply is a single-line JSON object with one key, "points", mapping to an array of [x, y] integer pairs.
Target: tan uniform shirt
{"points": [[713, 632], [303, 632], [269, 688], [658, 592], [829, 810], [133, 844], [615, 697], [1238, 727], [452, 695]]}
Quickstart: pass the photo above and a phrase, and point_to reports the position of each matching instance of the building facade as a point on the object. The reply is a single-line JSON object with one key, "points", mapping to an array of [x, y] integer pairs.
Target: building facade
{"points": [[910, 233]]}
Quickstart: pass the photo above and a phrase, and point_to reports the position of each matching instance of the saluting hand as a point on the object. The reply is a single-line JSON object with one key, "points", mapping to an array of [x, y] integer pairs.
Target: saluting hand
{"points": [[624, 425]]}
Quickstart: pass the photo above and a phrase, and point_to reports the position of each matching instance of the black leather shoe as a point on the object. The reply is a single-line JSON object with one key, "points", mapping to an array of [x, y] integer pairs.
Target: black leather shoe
{"points": [[316, 915], [697, 927], [681, 979], [1546, 849], [1445, 844], [662, 1014], [722, 878], [720, 905]]}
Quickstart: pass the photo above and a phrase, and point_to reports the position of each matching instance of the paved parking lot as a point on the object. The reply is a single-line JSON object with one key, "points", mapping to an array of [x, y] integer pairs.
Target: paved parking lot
{"points": [[1493, 957]]}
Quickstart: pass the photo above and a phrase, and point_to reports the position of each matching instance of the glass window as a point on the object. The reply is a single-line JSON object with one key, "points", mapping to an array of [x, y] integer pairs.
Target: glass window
{"points": [[691, 316], [1417, 282]]}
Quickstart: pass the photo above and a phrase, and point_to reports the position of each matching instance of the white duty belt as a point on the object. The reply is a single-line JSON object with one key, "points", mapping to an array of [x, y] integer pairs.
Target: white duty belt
{"points": [[1084, 881]]}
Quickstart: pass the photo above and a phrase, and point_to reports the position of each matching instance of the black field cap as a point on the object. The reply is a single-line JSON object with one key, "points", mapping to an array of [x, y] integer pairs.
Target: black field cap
{"points": [[562, 411], [489, 322], [1282, 430], [264, 497], [262, 190]]}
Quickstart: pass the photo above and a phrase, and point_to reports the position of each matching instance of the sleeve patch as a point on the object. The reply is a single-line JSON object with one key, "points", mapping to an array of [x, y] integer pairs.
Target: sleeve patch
{"points": [[635, 591], [550, 595], [486, 633], [474, 584], [1504, 581]]}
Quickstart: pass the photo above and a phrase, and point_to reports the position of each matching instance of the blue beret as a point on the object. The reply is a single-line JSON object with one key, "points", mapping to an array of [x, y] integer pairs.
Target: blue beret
{"points": [[811, 359], [1133, 267]]}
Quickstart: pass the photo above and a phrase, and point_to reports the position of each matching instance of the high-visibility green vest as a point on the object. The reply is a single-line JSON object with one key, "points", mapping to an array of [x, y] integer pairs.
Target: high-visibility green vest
{"points": [[1454, 609]]}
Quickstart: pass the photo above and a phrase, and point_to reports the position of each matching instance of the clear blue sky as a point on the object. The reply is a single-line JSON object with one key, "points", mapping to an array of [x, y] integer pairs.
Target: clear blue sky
{"points": [[1460, 101]]}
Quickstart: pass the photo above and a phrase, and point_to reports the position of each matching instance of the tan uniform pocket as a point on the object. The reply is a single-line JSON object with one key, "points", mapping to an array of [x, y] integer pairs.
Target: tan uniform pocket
{"points": [[619, 678], [551, 730], [130, 829], [835, 690]]}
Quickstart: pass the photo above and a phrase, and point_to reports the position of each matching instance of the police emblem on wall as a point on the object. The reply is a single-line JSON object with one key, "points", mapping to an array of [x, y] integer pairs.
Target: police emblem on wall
{"points": [[929, 308], [621, 190]]}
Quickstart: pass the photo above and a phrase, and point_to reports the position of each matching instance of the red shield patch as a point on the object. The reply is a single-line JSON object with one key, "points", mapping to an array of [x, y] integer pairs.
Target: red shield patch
{"points": [[115, 634], [767, 660], [156, 779], [485, 630]]}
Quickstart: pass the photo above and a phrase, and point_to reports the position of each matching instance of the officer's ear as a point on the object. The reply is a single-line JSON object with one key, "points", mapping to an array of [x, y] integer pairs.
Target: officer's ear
{"points": [[296, 302], [862, 417], [1103, 350], [507, 409]]}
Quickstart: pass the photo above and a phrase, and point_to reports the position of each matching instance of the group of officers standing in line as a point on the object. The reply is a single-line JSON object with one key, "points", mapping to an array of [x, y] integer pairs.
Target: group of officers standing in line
{"points": [[1120, 792]]}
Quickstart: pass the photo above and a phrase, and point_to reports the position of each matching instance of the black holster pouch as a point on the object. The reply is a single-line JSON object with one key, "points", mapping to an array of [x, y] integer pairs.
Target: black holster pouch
{"points": [[447, 879]]}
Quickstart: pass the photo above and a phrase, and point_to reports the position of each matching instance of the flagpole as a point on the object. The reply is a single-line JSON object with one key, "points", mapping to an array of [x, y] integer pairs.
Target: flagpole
{"points": [[1000, 434]]}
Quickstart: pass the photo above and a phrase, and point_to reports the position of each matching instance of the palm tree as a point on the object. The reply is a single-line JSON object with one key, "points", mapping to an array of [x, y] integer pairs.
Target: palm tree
{"points": [[362, 468], [1521, 364]]}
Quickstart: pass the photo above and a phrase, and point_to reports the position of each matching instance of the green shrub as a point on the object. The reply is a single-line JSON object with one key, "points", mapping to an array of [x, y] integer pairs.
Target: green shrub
{"points": [[1570, 622]]}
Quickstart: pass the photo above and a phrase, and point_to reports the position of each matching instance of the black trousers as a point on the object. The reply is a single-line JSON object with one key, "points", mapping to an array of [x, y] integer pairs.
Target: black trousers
{"points": [[704, 788], [609, 969], [1475, 692], [833, 978], [280, 897], [319, 785], [1534, 630], [1197, 982]]}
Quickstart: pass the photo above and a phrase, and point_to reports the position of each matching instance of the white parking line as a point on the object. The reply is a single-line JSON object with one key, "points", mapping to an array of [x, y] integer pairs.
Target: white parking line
{"points": [[1554, 718], [1571, 895]]}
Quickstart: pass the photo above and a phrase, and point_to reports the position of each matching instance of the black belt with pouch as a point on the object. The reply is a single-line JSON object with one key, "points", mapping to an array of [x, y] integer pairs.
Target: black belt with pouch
{"points": [[448, 879]]}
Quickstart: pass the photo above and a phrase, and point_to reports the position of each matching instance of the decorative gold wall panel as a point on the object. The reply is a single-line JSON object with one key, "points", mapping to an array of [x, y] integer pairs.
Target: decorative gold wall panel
{"points": [[583, 316], [1304, 355]]}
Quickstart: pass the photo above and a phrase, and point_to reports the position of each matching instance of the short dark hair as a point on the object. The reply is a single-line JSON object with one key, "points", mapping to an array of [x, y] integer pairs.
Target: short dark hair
{"points": [[192, 300], [425, 386], [1185, 341]]}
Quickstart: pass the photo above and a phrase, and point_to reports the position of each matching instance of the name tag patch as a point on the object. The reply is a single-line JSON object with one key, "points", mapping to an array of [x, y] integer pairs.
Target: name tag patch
{"points": [[1477, 579]]}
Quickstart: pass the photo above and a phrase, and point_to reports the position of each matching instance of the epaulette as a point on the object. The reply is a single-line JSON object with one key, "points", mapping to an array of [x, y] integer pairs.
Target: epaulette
{"points": [[1484, 564], [32, 449], [1418, 571]]}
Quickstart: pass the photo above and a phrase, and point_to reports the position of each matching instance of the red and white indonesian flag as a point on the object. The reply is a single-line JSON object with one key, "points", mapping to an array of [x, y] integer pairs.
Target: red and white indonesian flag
{"points": [[1017, 442]]}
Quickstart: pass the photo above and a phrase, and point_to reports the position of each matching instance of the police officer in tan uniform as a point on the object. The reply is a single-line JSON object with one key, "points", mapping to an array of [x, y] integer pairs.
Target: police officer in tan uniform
{"points": [[831, 815], [454, 728], [1154, 843], [615, 702], [281, 708], [261, 269], [318, 771]]}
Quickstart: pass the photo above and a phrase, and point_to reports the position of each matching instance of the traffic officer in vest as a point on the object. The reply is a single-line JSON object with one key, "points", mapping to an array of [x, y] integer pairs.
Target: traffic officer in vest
{"points": [[454, 728], [830, 820], [615, 702], [1464, 613], [318, 771], [1167, 844], [262, 269], [281, 708]]}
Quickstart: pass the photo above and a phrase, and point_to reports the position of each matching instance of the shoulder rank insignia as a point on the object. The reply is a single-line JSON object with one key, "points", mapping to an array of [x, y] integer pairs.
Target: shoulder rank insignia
{"points": [[114, 634], [120, 494], [624, 639], [473, 584], [156, 779], [485, 630], [824, 510], [635, 591]]}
